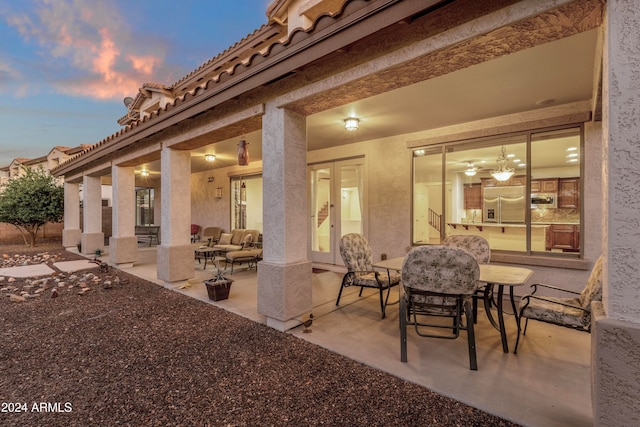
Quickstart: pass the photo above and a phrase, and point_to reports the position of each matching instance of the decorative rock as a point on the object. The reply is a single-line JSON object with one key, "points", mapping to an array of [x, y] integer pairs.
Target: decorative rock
{"points": [[1, 278], [83, 285], [16, 298], [11, 279], [30, 296]]}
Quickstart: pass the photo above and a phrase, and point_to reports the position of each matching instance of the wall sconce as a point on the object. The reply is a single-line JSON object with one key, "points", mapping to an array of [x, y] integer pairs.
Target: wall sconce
{"points": [[351, 124], [219, 192], [210, 157], [210, 179], [144, 173]]}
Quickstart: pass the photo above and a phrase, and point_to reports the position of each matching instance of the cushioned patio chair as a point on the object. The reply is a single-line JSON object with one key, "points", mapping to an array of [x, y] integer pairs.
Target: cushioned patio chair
{"points": [[438, 281], [195, 229], [356, 254], [211, 235], [479, 247], [572, 311]]}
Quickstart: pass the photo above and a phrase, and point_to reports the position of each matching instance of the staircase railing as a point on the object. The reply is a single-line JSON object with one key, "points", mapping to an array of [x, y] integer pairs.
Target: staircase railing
{"points": [[435, 220]]}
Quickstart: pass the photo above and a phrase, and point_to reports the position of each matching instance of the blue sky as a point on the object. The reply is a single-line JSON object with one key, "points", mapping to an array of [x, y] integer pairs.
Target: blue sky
{"points": [[66, 65]]}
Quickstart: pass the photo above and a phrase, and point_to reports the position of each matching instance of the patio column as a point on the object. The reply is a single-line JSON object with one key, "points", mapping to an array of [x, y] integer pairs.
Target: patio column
{"points": [[175, 252], [123, 245], [71, 233], [615, 337], [92, 235], [284, 275]]}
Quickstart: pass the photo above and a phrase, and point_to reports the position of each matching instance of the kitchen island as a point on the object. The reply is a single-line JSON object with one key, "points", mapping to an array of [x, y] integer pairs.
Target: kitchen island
{"points": [[507, 237]]}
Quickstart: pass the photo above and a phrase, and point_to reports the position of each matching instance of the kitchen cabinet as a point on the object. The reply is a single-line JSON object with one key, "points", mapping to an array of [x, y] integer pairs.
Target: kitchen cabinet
{"points": [[473, 196], [569, 193], [544, 186], [563, 236], [514, 180]]}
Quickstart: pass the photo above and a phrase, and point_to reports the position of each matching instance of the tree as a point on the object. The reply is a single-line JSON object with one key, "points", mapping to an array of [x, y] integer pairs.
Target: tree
{"points": [[30, 201]]}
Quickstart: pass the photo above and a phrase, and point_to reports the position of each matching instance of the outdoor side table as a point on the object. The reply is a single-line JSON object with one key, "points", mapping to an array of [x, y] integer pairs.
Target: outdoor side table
{"points": [[206, 252]]}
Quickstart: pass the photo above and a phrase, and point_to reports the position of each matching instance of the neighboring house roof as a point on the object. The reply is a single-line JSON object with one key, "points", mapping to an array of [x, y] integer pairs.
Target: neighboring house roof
{"points": [[69, 151], [37, 160]]}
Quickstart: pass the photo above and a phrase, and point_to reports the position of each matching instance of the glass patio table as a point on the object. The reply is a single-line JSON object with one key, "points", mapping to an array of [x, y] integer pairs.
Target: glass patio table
{"points": [[494, 276]]}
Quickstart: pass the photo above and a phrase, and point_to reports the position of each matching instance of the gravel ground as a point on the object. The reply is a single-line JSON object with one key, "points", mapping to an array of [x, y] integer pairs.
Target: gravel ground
{"points": [[135, 354]]}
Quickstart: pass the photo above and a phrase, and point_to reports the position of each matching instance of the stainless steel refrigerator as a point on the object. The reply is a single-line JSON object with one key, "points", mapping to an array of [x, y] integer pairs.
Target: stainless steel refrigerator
{"points": [[503, 204]]}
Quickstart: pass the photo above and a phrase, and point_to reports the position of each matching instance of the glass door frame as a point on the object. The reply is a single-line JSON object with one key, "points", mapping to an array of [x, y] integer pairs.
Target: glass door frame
{"points": [[332, 256]]}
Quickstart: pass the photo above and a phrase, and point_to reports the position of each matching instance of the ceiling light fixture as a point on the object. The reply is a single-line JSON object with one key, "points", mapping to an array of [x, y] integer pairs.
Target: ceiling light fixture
{"points": [[351, 124], [144, 172], [471, 169], [210, 157], [503, 173]]}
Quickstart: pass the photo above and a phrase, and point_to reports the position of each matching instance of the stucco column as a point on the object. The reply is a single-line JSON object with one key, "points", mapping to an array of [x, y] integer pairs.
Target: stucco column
{"points": [[616, 330], [71, 233], [175, 253], [92, 235], [123, 244], [284, 275]]}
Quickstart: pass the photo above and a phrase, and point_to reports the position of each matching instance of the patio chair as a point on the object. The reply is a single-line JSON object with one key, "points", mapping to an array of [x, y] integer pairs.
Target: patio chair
{"points": [[356, 254], [438, 281], [211, 235], [479, 247], [195, 229], [571, 312]]}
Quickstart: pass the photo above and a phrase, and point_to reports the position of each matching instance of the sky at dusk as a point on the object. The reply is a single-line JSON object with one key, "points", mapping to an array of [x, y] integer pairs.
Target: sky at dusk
{"points": [[67, 65]]}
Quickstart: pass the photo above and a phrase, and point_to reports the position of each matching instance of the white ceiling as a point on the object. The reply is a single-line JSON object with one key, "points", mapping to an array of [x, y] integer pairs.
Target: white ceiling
{"points": [[561, 71]]}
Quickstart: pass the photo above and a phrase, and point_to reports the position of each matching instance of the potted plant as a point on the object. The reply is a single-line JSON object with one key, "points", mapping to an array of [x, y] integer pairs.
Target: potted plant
{"points": [[219, 286]]}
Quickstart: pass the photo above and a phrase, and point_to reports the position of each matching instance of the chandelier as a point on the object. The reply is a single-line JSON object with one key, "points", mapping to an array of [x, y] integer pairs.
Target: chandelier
{"points": [[503, 173], [470, 170]]}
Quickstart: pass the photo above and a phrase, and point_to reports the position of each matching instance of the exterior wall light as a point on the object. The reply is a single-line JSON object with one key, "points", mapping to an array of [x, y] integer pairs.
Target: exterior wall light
{"points": [[210, 157], [351, 124]]}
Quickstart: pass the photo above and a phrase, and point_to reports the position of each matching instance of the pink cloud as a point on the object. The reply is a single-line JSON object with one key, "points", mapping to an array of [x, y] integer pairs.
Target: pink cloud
{"points": [[94, 40]]}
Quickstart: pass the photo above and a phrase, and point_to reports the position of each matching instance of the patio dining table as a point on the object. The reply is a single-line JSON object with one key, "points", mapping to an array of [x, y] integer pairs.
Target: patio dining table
{"points": [[494, 276]]}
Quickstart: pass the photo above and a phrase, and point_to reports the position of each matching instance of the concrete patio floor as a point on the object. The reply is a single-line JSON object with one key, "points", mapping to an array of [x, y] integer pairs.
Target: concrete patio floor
{"points": [[546, 384]]}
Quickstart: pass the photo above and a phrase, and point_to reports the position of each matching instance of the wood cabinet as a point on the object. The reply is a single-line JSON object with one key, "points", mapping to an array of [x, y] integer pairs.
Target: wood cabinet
{"points": [[569, 193], [544, 186], [563, 236], [514, 180], [473, 196]]}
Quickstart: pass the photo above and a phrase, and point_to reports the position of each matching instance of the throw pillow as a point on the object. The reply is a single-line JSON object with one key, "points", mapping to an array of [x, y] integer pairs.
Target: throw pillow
{"points": [[225, 239], [247, 240]]}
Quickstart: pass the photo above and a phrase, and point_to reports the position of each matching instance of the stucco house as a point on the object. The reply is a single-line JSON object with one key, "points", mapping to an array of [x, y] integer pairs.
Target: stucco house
{"points": [[397, 119]]}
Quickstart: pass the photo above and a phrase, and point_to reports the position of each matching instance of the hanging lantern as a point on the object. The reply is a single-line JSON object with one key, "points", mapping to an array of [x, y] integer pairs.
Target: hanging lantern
{"points": [[243, 153]]}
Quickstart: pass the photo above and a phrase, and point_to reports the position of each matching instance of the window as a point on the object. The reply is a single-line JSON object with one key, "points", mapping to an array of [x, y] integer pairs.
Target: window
{"points": [[144, 206], [246, 202], [456, 191]]}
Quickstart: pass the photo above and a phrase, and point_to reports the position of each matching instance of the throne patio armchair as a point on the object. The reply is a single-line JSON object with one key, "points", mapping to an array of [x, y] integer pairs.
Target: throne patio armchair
{"points": [[572, 311], [479, 247], [438, 282], [356, 254]]}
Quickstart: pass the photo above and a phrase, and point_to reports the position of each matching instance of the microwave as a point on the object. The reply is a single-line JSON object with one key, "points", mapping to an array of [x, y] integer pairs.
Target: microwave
{"points": [[543, 200]]}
